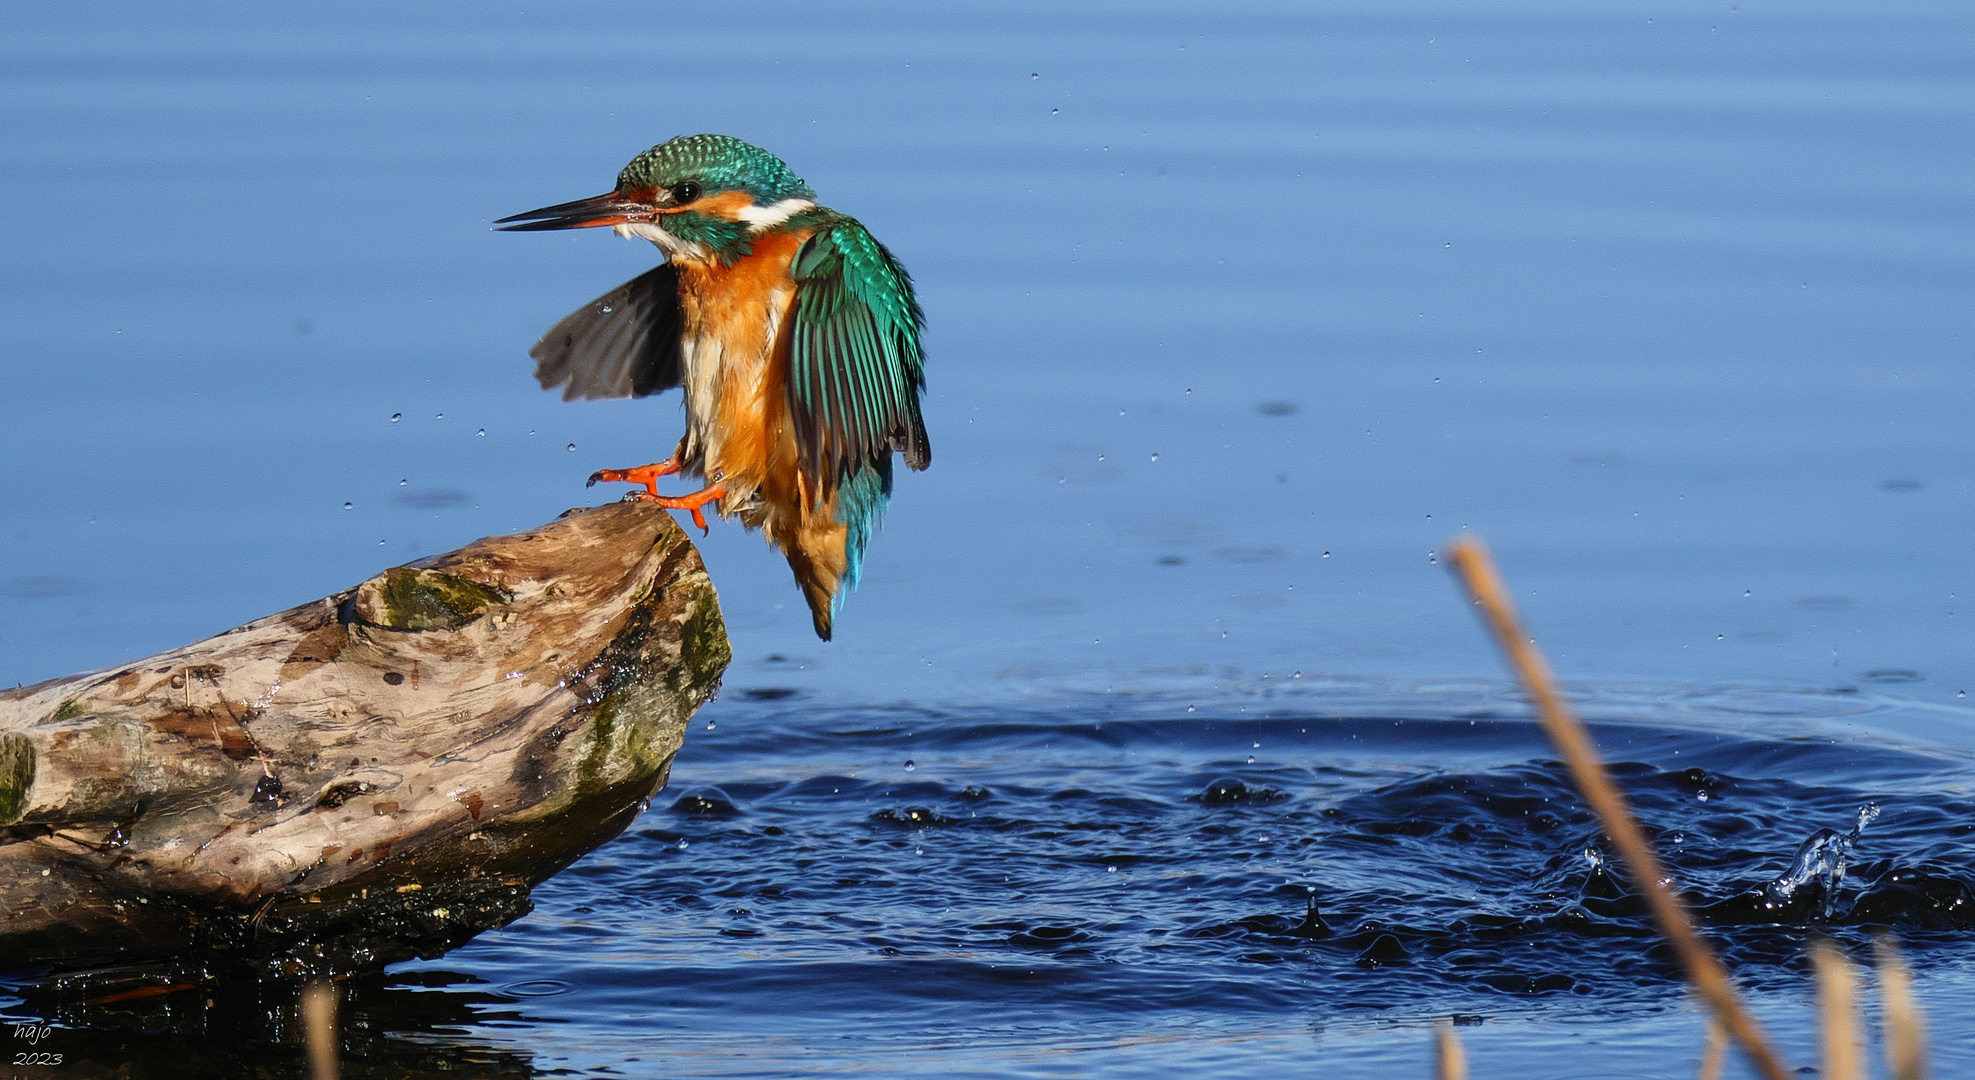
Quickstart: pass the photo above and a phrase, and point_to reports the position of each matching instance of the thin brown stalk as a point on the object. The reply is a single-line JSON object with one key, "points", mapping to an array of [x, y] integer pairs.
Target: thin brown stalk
{"points": [[1901, 1023], [319, 1030], [1710, 980], [1837, 1012], [1715, 1054], [1450, 1061]]}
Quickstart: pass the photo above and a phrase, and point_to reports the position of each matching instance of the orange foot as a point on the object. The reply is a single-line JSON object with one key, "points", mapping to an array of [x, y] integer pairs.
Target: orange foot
{"points": [[691, 502], [644, 474]]}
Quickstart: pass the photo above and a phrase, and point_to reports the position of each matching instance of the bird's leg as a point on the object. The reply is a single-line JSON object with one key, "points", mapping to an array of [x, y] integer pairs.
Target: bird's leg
{"points": [[691, 502], [644, 474], [648, 476]]}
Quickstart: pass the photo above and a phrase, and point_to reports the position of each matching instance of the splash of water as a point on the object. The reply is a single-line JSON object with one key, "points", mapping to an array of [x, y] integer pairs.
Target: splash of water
{"points": [[1821, 860]]}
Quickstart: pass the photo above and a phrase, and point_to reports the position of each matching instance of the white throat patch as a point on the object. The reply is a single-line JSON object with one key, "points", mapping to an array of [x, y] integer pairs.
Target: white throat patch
{"points": [[673, 246]]}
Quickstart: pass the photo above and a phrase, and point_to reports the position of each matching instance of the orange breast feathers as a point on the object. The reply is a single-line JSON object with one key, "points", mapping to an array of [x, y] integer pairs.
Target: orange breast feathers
{"points": [[739, 314]]}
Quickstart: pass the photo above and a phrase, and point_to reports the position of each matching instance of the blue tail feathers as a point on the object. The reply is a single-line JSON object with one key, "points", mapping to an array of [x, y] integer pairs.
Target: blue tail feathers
{"points": [[861, 500]]}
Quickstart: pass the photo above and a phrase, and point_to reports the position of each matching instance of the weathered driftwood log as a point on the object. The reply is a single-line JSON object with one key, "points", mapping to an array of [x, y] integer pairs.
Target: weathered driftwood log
{"points": [[379, 774]]}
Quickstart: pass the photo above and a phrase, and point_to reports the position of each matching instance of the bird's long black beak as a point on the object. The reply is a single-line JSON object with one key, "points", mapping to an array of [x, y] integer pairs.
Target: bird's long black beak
{"points": [[610, 208]]}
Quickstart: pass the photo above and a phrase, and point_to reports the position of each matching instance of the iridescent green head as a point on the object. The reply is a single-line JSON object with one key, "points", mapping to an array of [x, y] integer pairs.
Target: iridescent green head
{"points": [[696, 196], [715, 163]]}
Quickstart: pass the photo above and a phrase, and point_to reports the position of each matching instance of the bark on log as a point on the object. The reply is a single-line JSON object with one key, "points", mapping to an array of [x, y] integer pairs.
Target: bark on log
{"points": [[380, 774]]}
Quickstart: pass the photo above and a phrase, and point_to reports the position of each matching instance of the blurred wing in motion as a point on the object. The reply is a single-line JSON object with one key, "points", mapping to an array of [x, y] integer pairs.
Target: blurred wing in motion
{"points": [[624, 343]]}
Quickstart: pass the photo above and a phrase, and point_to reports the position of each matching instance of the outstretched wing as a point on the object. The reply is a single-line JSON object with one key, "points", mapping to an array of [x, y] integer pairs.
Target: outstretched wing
{"points": [[855, 366], [624, 343]]}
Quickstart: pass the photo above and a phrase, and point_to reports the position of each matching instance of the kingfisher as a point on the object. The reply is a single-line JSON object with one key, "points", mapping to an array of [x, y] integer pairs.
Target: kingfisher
{"points": [[792, 332]]}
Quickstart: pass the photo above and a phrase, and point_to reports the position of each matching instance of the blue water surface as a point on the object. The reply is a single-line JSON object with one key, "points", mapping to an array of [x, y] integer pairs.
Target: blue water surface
{"points": [[1238, 312]]}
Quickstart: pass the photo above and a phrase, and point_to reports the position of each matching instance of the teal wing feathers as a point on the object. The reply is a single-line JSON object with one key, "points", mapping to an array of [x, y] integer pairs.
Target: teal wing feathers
{"points": [[856, 369]]}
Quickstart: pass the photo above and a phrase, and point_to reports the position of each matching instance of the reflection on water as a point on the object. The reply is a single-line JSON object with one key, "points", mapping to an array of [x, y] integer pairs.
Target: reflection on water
{"points": [[1238, 312], [410, 1024]]}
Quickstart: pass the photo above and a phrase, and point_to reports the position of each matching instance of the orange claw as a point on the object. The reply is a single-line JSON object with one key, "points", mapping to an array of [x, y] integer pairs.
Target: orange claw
{"points": [[644, 474], [691, 502]]}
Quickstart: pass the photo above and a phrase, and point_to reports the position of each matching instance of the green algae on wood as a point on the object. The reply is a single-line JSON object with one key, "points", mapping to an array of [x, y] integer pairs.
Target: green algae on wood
{"points": [[415, 599], [16, 775], [705, 651]]}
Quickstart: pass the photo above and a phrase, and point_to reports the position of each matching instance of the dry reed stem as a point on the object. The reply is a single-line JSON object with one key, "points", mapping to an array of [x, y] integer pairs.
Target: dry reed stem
{"points": [[1901, 1024], [1715, 1054], [1837, 1012], [1450, 1061], [319, 1030], [1710, 980]]}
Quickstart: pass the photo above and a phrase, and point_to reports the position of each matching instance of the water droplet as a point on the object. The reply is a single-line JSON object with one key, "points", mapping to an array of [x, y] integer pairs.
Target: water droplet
{"points": [[1189, 708], [1432, 558], [1296, 675], [1251, 759], [402, 483], [441, 416], [349, 506], [1155, 455], [1034, 75], [1701, 795], [1747, 593], [397, 416], [909, 765], [606, 309], [709, 725], [1110, 869], [1961, 693], [380, 543], [682, 843], [482, 433], [1100, 457], [1326, 554], [1258, 746], [572, 448], [1053, 112]]}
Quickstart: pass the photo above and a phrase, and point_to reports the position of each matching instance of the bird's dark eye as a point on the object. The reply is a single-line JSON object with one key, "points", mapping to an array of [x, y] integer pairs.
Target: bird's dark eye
{"points": [[684, 192]]}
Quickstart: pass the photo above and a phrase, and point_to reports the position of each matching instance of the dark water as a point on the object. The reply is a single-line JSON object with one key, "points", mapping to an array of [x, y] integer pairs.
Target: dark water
{"points": [[1120, 886], [1238, 312]]}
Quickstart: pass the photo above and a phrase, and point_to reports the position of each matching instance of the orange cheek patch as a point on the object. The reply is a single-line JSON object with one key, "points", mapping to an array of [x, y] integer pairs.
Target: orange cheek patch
{"points": [[726, 205]]}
